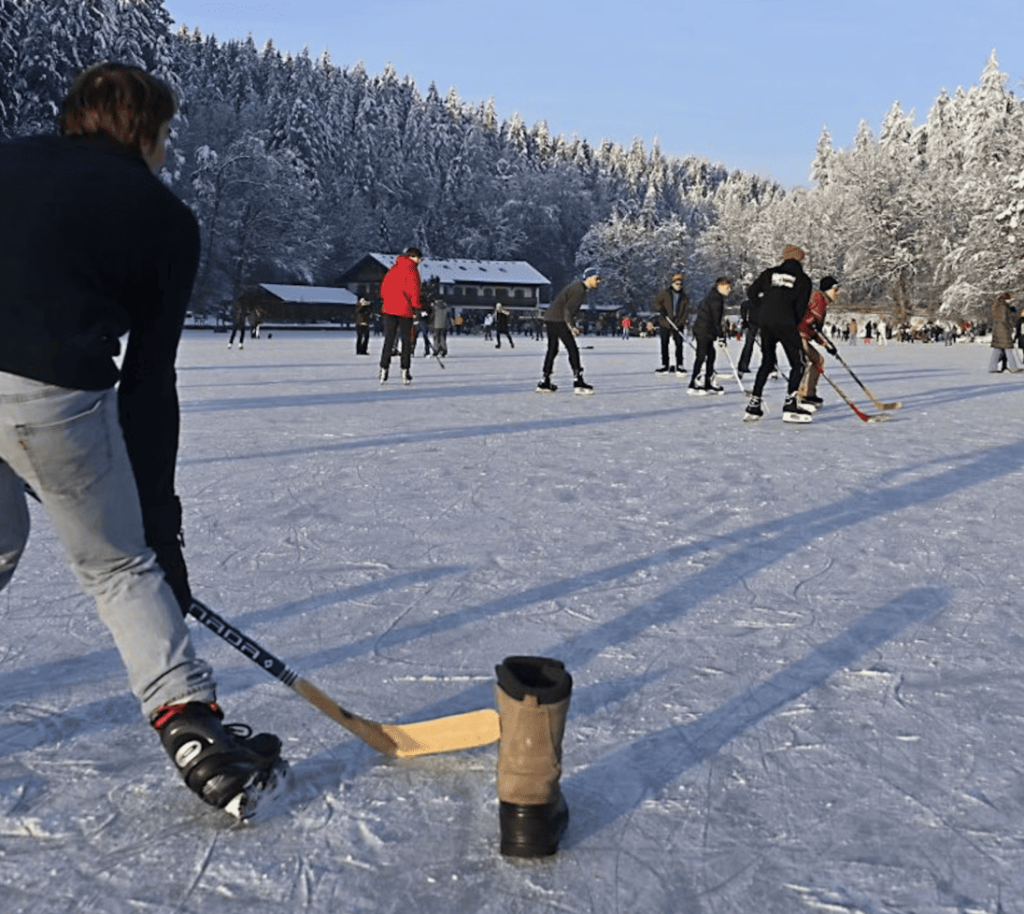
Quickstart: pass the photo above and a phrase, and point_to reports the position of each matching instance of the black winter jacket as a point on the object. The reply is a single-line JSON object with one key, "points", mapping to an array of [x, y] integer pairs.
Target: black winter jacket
{"points": [[567, 304], [93, 246], [781, 295]]}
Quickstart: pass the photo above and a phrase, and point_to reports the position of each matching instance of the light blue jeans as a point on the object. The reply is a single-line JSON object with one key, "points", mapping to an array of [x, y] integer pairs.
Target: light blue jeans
{"points": [[67, 445]]}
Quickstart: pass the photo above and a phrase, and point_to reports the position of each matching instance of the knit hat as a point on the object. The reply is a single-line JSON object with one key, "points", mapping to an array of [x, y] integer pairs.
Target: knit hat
{"points": [[591, 271], [677, 277], [829, 282], [792, 252]]}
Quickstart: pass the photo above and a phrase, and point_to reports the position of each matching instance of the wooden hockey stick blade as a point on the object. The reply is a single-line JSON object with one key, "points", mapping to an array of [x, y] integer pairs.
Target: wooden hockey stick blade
{"points": [[426, 737], [879, 417]]}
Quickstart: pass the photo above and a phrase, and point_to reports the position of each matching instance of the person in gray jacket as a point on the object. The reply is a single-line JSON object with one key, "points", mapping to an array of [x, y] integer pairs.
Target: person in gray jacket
{"points": [[560, 323]]}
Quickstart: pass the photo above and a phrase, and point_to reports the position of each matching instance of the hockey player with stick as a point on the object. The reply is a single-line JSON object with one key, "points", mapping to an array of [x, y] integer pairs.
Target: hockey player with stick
{"points": [[782, 294], [560, 321], [707, 331], [811, 326], [672, 306], [95, 246]]}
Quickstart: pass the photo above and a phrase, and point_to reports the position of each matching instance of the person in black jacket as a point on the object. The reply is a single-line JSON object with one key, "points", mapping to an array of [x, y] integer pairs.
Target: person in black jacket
{"points": [[707, 331], [362, 315], [93, 246], [560, 322], [781, 295]]}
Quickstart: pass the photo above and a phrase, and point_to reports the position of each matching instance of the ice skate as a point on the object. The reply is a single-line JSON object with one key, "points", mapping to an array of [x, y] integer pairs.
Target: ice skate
{"points": [[225, 765], [580, 386], [793, 412], [754, 410]]}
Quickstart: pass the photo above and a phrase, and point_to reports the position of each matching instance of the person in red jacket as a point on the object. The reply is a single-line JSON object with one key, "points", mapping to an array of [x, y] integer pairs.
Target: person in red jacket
{"points": [[810, 328], [400, 291]]}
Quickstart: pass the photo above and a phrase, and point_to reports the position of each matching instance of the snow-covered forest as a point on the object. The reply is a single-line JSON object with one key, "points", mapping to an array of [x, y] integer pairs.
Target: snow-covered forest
{"points": [[296, 167]]}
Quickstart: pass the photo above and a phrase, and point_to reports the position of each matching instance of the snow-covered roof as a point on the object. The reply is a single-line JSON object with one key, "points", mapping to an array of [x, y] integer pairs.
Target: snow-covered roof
{"points": [[313, 295], [497, 272]]}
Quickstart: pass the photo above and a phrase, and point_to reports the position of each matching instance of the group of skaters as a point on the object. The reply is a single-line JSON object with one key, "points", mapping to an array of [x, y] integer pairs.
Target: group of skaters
{"points": [[781, 310]]}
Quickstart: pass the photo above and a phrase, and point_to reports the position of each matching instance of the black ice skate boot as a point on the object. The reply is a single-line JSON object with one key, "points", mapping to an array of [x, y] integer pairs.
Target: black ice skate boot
{"points": [[579, 386], [754, 410], [224, 764], [792, 411], [544, 386], [533, 702]]}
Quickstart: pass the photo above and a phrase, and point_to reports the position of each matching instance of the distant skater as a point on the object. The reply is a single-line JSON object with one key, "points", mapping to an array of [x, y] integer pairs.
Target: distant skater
{"points": [[560, 322]]}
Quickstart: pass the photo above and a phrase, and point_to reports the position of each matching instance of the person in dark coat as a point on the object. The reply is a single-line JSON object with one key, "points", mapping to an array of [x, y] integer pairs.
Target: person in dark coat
{"points": [[363, 312], [501, 316], [1003, 320], [672, 305], [707, 332], [560, 324], [749, 323], [781, 295], [93, 246]]}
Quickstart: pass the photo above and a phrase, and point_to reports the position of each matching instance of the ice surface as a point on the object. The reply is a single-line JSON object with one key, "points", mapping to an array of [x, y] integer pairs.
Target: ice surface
{"points": [[797, 649]]}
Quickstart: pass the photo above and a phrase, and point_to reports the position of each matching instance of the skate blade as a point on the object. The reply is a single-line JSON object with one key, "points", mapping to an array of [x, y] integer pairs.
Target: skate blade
{"points": [[259, 796]]}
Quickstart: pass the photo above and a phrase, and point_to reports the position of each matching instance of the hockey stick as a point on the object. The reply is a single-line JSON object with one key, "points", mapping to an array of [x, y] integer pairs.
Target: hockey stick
{"points": [[443, 734], [735, 373], [880, 417], [895, 405], [682, 335]]}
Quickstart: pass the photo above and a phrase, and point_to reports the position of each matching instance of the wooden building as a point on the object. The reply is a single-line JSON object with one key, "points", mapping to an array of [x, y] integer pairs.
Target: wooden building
{"points": [[464, 284], [285, 304]]}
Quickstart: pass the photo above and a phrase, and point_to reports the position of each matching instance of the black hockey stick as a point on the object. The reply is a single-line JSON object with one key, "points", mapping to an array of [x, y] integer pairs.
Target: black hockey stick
{"points": [[443, 734]]}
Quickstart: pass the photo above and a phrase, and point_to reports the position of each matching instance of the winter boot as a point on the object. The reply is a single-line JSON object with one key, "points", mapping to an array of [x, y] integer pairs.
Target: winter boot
{"points": [[223, 764], [754, 410], [580, 386], [545, 386], [533, 702], [406, 376], [793, 412]]}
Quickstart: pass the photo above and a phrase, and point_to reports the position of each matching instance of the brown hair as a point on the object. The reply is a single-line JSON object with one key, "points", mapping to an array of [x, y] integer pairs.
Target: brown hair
{"points": [[122, 101]]}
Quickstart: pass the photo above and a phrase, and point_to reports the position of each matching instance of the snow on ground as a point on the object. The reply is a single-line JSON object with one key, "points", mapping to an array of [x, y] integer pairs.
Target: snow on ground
{"points": [[797, 650]]}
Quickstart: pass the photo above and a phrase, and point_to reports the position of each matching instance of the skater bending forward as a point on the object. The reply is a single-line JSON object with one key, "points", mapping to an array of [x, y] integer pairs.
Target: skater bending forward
{"points": [[94, 247], [560, 323]]}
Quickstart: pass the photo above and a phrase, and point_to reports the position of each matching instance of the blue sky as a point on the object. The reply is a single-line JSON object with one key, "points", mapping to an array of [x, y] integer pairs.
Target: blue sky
{"points": [[748, 83]]}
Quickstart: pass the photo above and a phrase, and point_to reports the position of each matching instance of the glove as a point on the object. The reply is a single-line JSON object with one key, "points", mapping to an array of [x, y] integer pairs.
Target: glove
{"points": [[830, 348], [163, 535]]}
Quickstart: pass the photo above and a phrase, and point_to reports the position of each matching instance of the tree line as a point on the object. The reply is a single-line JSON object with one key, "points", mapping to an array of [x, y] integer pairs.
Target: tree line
{"points": [[296, 167]]}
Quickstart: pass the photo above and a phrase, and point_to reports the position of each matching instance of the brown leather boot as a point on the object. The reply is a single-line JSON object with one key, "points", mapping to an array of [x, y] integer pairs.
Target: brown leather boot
{"points": [[533, 702]]}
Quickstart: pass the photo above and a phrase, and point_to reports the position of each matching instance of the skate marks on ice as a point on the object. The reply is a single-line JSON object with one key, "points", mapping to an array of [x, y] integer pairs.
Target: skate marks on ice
{"points": [[617, 783]]}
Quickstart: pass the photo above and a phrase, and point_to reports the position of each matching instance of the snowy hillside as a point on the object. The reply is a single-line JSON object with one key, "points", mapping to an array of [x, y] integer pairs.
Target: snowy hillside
{"points": [[797, 649]]}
